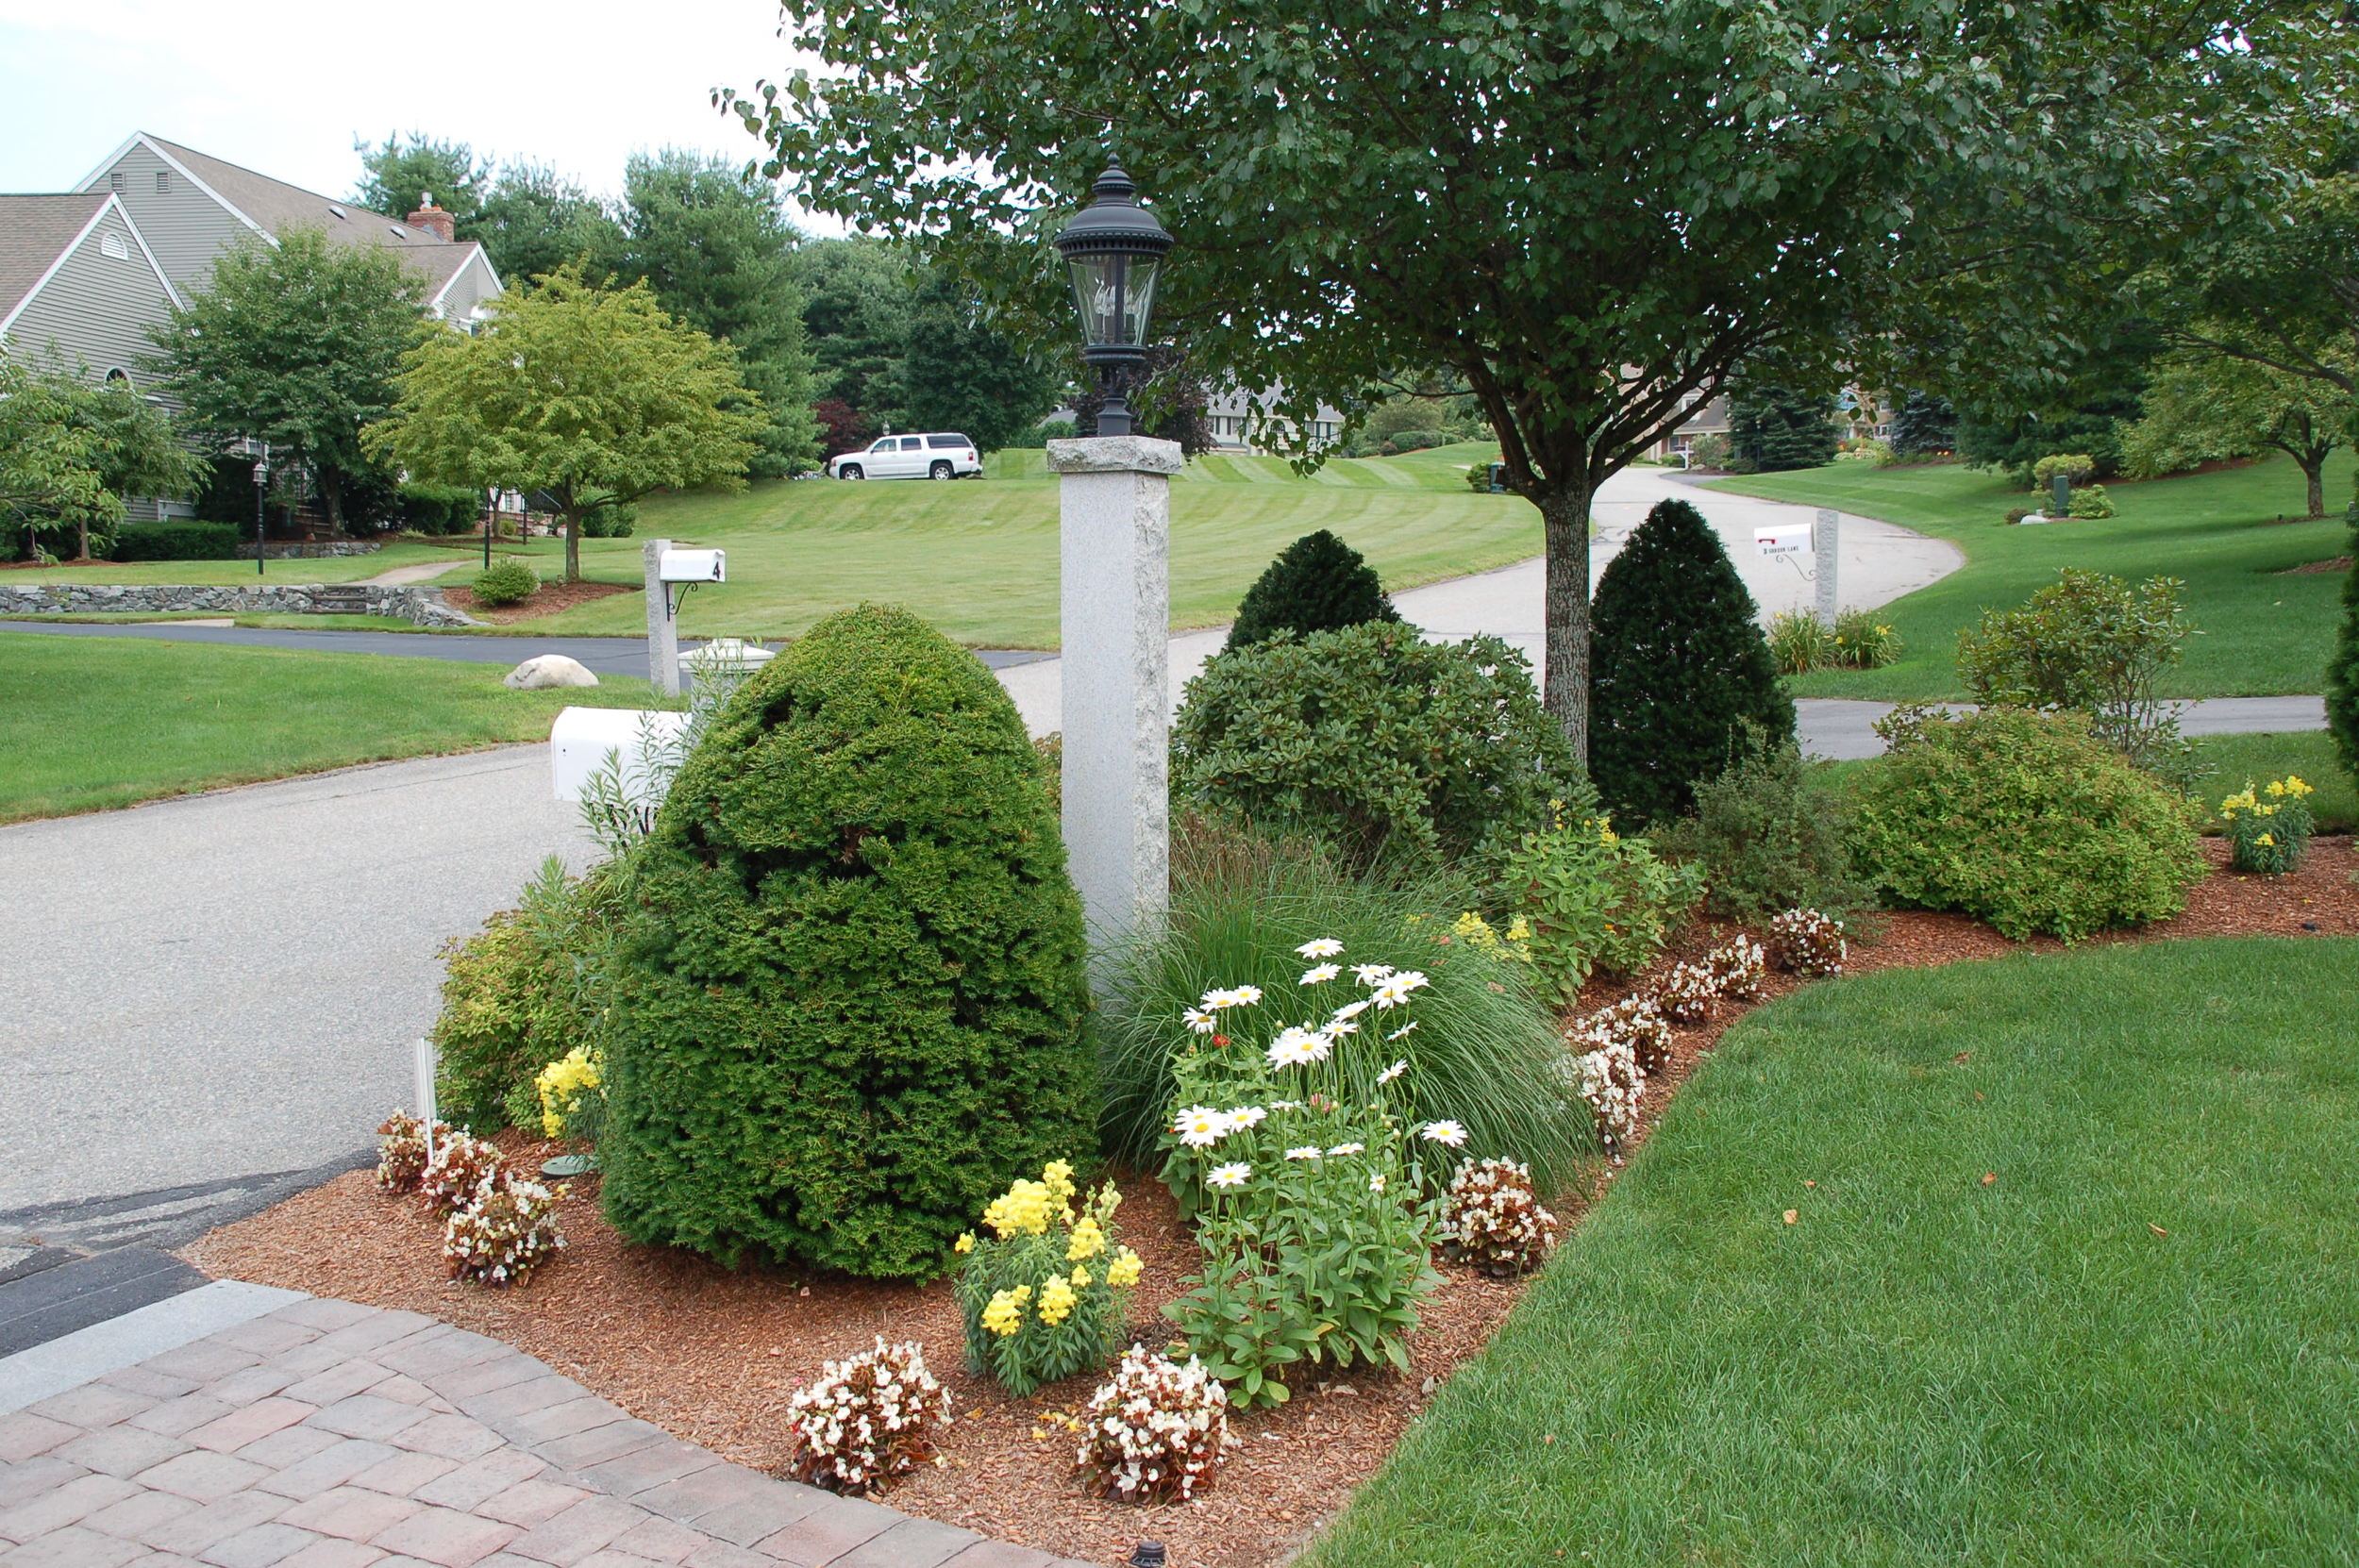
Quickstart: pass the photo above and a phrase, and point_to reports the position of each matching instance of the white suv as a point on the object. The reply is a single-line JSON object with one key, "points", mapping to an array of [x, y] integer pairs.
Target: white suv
{"points": [[941, 456]]}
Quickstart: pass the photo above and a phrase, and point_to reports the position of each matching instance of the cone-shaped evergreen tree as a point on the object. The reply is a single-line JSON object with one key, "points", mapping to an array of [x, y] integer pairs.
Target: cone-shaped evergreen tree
{"points": [[1678, 666], [848, 1007], [1318, 583], [2342, 666]]}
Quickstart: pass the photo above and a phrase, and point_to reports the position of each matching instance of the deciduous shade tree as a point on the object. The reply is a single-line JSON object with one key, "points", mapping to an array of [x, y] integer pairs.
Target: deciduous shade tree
{"points": [[73, 448], [2342, 669], [1776, 428], [716, 249], [2203, 407], [850, 1003], [857, 298], [1588, 210], [1685, 680], [1318, 583], [591, 396], [297, 343], [959, 373]]}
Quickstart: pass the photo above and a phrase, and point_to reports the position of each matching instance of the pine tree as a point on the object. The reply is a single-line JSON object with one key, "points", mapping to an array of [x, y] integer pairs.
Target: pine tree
{"points": [[1775, 428], [1318, 583], [2342, 670], [1680, 667], [1926, 423]]}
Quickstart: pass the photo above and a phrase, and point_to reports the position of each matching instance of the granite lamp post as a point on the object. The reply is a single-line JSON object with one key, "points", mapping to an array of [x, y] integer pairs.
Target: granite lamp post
{"points": [[1116, 546]]}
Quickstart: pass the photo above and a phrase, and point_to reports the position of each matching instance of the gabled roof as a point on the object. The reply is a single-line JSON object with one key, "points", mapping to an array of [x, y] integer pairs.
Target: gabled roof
{"points": [[273, 206], [38, 232]]}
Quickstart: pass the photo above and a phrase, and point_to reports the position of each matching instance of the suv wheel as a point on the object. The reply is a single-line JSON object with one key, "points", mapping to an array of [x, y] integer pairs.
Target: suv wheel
{"points": [[849, 471], [941, 470]]}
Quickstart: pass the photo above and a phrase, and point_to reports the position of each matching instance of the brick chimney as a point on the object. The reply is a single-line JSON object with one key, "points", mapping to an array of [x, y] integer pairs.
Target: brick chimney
{"points": [[433, 219]]}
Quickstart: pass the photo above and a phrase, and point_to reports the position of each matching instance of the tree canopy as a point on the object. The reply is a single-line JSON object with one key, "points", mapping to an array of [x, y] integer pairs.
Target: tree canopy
{"points": [[1590, 211], [593, 396], [297, 343], [398, 171], [960, 374], [2206, 407], [73, 448], [857, 298]]}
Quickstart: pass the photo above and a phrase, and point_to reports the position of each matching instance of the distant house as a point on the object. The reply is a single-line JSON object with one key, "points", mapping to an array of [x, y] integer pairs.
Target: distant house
{"points": [[1710, 419], [81, 291], [191, 207], [1243, 420]]}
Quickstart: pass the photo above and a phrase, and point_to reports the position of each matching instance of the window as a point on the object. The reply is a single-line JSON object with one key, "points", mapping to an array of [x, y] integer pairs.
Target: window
{"points": [[119, 374], [948, 442], [912, 443], [114, 245], [884, 445], [115, 180], [163, 182]]}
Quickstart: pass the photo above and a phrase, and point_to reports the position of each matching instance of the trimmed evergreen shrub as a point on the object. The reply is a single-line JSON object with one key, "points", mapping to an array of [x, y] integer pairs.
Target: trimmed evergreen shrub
{"points": [[2342, 666], [182, 540], [1318, 583], [1417, 756], [2024, 820], [1677, 669], [849, 1007], [441, 508], [505, 582]]}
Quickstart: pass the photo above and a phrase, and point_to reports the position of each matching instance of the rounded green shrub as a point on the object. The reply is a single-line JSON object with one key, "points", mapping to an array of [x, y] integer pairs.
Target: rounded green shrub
{"points": [[1395, 751], [848, 1008], [2023, 820], [505, 582], [1318, 583]]}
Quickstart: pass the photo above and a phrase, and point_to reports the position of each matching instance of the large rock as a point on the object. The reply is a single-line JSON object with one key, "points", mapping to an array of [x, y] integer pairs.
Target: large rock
{"points": [[534, 674]]}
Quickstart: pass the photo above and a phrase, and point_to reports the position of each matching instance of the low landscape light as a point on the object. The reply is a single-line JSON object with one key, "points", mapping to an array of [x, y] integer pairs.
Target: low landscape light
{"points": [[1113, 249]]}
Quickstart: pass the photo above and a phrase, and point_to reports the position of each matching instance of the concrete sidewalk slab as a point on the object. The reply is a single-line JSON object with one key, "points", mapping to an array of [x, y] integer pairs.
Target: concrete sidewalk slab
{"points": [[45, 1370]]}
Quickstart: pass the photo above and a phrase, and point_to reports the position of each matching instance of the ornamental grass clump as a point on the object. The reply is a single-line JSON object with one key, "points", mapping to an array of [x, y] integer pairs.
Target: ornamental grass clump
{"points": [[1493, 1220], [848, 999], [507, 1229], [1807, 943], [2024, 820], [867, 1419], [2268, 831], [463, 1164], [1045, 1290], [402, 1155], [1156, 1432]]}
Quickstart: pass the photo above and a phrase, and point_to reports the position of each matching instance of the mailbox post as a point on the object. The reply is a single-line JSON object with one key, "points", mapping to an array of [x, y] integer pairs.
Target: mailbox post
{"points": [[666, 567]]}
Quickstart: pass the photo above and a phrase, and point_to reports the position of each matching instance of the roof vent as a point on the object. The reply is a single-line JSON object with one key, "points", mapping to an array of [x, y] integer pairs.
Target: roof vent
{"points": [[338, 211], [399, 232], [112, 245]]}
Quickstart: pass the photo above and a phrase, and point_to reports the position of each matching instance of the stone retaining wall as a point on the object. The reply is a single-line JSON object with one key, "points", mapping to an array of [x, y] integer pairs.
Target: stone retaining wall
{"points": [[318, 550], [425, 607]]}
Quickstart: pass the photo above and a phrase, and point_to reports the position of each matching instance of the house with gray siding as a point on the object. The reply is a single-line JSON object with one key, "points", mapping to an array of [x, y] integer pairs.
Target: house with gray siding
{"points": [[192, 207]]}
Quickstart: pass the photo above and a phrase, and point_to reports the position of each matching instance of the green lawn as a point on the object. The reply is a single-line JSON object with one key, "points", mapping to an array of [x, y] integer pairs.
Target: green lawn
{"points": [[240, 572], [2136, 1345], [2260, 631], [90, 723], [978, 559]]}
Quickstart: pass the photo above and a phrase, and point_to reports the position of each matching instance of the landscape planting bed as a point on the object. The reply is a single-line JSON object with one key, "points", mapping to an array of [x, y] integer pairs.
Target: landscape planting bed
{"points": [[714, 1356]]}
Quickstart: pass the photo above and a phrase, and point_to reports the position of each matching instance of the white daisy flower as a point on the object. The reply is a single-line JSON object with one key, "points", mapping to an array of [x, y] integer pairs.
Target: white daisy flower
{"points": [[1297, 1046], [1321, 947], [1231, 1175], [1308, 1151], [1393, 1072], [1200, 1020], [1371, 974], [1351, 1010], [1200, 1127], [1348, 1148], [1394, 991], [1375, 1184], [1402, 1030], [1444, 1132], [1246, 1116], [1246, 996], [1320, 976]]}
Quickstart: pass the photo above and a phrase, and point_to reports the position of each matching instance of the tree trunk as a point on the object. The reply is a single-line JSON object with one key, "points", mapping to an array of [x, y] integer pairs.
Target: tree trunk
{"points": [[1565, 514], [2313, 471], [573, 547], [81, 548], [332, 496]]}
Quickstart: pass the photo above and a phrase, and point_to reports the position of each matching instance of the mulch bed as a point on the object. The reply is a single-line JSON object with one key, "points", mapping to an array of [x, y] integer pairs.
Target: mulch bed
{"points": [[713, 1356], [2311, 568], [547, 600]]}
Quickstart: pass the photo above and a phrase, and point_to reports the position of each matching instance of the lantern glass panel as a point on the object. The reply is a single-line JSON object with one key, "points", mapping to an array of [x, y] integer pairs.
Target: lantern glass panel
{"points": [[1115, 294]]}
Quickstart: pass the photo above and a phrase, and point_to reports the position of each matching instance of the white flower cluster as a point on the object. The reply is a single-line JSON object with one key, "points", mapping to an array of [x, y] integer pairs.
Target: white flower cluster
{"points": [[463, 1166], [401, 1151], [1156, 1432], [1685, 995], [1633, 1020], [1608, 1078], [1737, 969], [867, 1419], [1493, 1220], [1204, 1018], [1805, 943], [502, 1235], [1200, 1127]]}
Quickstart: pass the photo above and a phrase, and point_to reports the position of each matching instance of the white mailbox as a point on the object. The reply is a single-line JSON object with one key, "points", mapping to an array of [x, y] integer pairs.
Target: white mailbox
{"points": [[1781, 539], [695, 566], [583, 739]]}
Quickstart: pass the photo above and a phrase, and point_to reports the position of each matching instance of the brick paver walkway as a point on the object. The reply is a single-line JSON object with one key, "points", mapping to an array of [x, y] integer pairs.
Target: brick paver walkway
{"points": [[329, 1435]]}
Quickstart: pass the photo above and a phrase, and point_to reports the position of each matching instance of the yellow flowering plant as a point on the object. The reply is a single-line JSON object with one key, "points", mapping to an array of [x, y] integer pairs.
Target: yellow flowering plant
{"points": [[573, 1096], [2269, 829], [1045, 1283]]}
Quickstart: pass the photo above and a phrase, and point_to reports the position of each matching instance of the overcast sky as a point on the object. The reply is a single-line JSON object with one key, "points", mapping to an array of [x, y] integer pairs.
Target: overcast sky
{"points": [[284, 86]]}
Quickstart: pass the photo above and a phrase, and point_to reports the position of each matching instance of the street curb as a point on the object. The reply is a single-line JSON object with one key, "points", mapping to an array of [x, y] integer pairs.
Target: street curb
{"points": [[73, 1359]]}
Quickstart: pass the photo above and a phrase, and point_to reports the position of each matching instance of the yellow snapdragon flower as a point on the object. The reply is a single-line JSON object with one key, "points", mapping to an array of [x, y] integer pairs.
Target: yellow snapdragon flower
{"points": [[1088, 1241], [1023, 1208], [1124, 1271], [1080, 1279], [1057, 1299], [1004, 1314], [966, 1242], [561, 1084]]}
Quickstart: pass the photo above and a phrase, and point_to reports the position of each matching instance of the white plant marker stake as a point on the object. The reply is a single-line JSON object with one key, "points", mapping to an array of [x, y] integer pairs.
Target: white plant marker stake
{"points": [[423, 1067], [1824, 539]]}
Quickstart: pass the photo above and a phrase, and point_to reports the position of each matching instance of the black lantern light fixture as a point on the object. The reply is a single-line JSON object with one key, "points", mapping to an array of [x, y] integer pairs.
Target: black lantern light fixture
{"points": [[1113, 248]]}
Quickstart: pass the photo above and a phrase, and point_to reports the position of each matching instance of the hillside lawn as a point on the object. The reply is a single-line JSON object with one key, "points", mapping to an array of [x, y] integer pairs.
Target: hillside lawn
{"points": [[2068, 1283], [976, 558], [2261, 630], [92, 723]]}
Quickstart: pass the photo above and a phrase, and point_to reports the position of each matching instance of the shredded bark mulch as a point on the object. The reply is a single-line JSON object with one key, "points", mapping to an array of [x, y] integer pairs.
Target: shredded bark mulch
{"points": [[547, 600], [2336, 564], [713, 1356]]}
